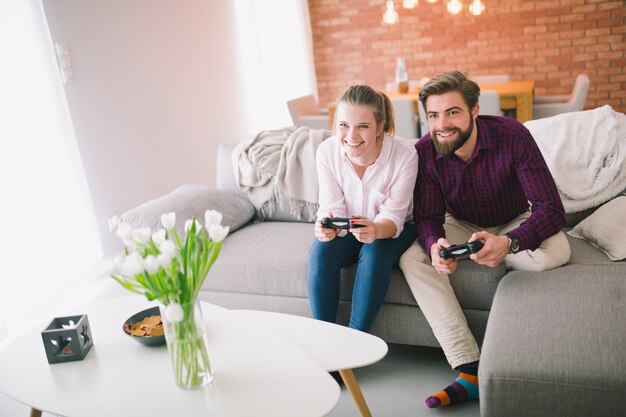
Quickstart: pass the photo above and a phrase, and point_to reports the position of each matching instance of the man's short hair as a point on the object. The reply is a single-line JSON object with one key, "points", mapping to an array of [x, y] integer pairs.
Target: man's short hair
{"points": [[451, 81]]}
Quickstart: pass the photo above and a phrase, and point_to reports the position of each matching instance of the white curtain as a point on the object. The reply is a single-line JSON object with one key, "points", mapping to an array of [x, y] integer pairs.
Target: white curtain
{"points": [[275, 59], [48, 234]]}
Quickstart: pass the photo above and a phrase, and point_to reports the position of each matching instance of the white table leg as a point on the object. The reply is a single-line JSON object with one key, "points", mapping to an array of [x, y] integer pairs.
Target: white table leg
{"points": [[355, 391]]}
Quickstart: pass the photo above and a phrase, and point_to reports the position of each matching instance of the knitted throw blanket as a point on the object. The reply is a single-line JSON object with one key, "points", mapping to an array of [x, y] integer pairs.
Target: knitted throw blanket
{"points": [[586, 154], [276, 168]]}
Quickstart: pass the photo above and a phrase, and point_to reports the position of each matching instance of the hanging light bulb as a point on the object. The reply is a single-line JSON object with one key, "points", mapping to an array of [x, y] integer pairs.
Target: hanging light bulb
{"points": [[409, 4], [390, 16], [431, 1], [477, 7], [454, 6]]}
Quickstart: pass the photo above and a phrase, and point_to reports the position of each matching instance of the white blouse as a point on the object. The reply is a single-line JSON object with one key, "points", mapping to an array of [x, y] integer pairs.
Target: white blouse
{"points": [[384, 192]]}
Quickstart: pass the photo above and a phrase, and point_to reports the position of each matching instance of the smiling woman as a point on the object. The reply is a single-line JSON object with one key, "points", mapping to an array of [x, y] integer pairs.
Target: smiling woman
{"points": [[49, 233], [365, 174]]}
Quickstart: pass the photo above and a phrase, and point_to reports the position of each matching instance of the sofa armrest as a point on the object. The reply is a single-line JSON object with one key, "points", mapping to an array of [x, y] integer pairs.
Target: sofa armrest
{"points": [[226, 180], [191, 200]]}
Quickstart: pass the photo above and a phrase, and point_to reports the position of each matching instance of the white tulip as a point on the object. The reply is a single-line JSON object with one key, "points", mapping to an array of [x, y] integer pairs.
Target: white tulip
{"points": [[141, 236], [188, 226], [114, 223], [133, 265], [174, 313], [168, 248], [158, 237], [164, 260], [218, 233], [125, 232], [212, 217], [151, 264], [168, 220]]}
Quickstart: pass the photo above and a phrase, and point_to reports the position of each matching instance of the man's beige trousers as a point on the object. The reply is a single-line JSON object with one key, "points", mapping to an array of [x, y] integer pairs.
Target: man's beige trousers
{"points": [[435, 296]]}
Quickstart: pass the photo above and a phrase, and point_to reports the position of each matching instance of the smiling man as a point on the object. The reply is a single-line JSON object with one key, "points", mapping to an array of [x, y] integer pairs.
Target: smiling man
{"points": [[480, 178]]}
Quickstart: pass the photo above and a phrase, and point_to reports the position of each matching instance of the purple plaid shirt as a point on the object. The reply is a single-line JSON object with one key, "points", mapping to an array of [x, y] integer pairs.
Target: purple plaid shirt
{"points": [[505, 173]]}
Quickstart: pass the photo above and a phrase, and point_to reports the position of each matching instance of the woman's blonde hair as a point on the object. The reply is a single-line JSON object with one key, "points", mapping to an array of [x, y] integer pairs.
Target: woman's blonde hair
{"points": [[364, 95]]}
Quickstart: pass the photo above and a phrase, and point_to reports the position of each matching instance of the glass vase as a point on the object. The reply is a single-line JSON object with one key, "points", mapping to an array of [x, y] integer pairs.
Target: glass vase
{"points": [[186, 343]]}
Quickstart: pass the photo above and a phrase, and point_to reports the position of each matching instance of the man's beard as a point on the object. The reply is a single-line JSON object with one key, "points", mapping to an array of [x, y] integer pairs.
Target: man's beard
{"points": [[451, 147]]}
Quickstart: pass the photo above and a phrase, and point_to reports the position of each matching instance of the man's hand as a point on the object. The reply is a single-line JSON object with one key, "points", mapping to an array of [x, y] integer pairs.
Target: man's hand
{"points": [[442, 266], [493, 252]]}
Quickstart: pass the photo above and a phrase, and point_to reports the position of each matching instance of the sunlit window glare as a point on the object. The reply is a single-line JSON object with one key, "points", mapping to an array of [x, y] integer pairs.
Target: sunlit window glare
{"points": [[49, 233]]}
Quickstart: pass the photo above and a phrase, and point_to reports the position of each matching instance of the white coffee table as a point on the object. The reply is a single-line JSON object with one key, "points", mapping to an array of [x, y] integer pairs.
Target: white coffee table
{"points": [[335, 348], [266, 364], [256, 372]]}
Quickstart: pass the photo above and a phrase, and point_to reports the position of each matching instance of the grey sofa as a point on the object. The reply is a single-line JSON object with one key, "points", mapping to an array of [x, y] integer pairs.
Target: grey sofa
{"points": [[553, 343]]}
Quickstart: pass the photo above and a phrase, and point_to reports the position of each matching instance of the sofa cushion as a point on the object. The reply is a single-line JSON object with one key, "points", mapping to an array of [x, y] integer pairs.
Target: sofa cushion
{"points": [[554, 344], [191, 200], [602, 229], [263, 258], [270, 258], [246, 265]]}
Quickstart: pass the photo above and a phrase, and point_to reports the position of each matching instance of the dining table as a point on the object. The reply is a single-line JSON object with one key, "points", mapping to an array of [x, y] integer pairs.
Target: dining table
{"points": [[516, 96]]}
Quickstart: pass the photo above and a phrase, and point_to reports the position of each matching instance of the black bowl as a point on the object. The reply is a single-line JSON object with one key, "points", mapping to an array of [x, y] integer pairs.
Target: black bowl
{"points": [[144, 340]]}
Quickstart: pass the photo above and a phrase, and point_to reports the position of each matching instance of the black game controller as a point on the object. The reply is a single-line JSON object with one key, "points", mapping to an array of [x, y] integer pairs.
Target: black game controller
{"points": [[458, 251], [339, 223]]}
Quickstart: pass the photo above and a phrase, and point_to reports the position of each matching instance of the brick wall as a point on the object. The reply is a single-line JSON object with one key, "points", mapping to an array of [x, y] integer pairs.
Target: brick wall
{"points": [[549, 41]]}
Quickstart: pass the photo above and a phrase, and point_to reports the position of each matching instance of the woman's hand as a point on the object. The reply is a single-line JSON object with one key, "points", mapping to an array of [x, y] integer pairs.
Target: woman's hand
{"points": [[365, 234], [325, 234]]}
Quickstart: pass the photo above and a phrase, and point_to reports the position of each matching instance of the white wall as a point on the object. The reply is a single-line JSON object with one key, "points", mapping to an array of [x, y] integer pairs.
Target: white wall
{"points": [[155, 92]]}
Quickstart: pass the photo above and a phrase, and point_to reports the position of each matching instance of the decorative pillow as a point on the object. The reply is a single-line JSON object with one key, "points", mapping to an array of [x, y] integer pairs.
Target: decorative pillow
{"points": [[187, 201], [604, 229]]}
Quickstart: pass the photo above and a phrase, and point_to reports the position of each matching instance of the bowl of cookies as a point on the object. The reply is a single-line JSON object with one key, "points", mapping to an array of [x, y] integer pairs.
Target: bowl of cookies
{"points": [[146, 327]]}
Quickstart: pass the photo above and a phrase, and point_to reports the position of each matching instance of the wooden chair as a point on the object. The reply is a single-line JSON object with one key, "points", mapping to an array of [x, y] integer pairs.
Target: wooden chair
{"points": [[304, 111], [404, 117], [489, 103], [551, 105]]}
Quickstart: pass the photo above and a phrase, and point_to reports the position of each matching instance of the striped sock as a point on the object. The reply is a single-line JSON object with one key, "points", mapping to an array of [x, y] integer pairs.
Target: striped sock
{"points": [[465, 387]]}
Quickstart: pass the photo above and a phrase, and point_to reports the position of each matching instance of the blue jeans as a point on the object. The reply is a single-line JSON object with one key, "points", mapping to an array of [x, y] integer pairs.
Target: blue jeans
{"points": [[375, 261]]}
